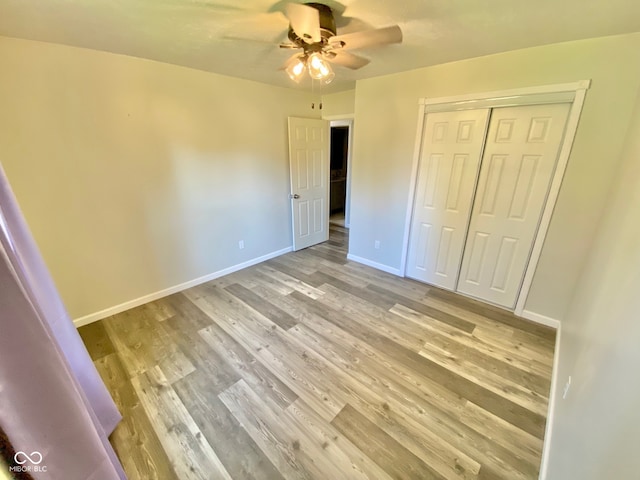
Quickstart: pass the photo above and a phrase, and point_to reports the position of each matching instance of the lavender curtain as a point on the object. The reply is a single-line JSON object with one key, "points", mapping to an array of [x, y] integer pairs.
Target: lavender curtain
{"points": [[52, 400]]}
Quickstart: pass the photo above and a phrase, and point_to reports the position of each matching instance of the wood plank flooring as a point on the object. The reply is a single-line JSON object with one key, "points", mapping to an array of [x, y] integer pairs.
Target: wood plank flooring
{"points": [[309, 366]]}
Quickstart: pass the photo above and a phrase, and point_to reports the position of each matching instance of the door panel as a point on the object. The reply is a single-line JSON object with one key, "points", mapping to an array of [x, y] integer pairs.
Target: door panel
{"points": [[449, 162], [309, 165], [517, 167]]}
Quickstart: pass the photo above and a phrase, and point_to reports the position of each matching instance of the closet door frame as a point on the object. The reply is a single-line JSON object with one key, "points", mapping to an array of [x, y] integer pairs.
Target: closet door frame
{"points": [[573, 93]]}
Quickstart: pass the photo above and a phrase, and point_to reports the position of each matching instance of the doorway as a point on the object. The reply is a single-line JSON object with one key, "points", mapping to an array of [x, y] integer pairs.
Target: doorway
{"points": [[339, 174]]}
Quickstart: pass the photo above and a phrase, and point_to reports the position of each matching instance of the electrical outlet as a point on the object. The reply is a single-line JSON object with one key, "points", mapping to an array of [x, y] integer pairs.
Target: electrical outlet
{"points": [[241, 244], [376, 244], [565, 392]]}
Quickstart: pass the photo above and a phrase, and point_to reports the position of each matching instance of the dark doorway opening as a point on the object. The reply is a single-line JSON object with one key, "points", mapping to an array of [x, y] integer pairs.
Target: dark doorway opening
{"points": [[338, 191]]}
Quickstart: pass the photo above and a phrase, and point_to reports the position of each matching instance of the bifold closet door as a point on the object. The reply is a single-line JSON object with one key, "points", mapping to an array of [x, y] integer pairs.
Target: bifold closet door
{"points": [[518, 164], [448, 168]]}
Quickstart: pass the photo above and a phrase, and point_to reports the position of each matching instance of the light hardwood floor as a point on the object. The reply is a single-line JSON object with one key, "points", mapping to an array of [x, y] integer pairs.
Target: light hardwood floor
{"points": [[313, 367]]}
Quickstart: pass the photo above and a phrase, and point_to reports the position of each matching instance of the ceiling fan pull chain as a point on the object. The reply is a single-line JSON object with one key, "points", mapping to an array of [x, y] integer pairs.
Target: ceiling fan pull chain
{"points": [[313, 105]]}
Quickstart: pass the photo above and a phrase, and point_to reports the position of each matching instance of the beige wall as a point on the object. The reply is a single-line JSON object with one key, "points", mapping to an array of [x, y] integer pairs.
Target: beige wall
{"points": [[386, 111], [338, 104], [596, 429], [136, 176]]}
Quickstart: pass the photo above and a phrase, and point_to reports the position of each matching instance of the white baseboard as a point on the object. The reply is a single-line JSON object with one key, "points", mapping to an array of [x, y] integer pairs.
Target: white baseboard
{"points": [[546, 448], [136, 302], [376, 265], [542, 319]]}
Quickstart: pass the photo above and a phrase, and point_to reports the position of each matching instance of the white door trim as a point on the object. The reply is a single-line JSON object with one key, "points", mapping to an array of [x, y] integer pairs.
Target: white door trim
{"points": [[513, 94], [417, 149], [347, 116], [346, 122], [501, 98]]}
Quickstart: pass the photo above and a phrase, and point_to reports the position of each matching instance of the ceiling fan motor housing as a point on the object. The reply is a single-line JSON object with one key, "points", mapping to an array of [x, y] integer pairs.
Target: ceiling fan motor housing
{"points": [[327, 24]]}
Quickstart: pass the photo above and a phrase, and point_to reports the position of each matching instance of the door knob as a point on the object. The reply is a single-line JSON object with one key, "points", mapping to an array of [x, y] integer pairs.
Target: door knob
{"points": [[294, 195]]}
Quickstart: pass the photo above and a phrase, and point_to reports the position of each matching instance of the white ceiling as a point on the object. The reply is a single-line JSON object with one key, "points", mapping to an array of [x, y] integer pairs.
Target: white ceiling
{"points": [[204, 34]]}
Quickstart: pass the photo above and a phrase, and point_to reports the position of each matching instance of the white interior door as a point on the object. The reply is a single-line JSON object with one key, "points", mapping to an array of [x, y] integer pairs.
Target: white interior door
{"points": [[517, 167], [449, 161], [309, 170]]}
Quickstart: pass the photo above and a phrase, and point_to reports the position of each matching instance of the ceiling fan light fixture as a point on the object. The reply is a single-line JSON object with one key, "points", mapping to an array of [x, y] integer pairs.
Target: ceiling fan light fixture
{"points": [[312, 29], [295, 69]]}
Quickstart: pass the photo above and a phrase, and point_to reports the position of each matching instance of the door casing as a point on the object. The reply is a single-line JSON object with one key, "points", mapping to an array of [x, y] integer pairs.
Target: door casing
{"points": [[345, 121]]}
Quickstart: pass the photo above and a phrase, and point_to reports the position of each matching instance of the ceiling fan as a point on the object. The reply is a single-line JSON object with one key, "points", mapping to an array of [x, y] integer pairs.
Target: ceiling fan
{"points": [[312, 28]]}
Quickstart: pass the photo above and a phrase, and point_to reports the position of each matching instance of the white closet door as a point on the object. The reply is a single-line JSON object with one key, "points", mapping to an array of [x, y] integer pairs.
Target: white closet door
{"points": [[517, 167], [449, 162]]}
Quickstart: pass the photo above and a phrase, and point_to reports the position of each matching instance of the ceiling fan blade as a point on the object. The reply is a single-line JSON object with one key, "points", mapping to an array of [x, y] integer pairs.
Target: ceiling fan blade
{"points": [[368, 38], [348, 60], [305, 21]]}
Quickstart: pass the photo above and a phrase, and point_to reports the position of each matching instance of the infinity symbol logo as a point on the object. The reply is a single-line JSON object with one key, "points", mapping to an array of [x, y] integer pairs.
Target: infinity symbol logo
{"points": [[35, 458]]}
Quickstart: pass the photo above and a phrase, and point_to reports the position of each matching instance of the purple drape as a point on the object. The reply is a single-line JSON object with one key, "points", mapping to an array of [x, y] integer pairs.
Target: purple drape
{"points": [[52, 399]]}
